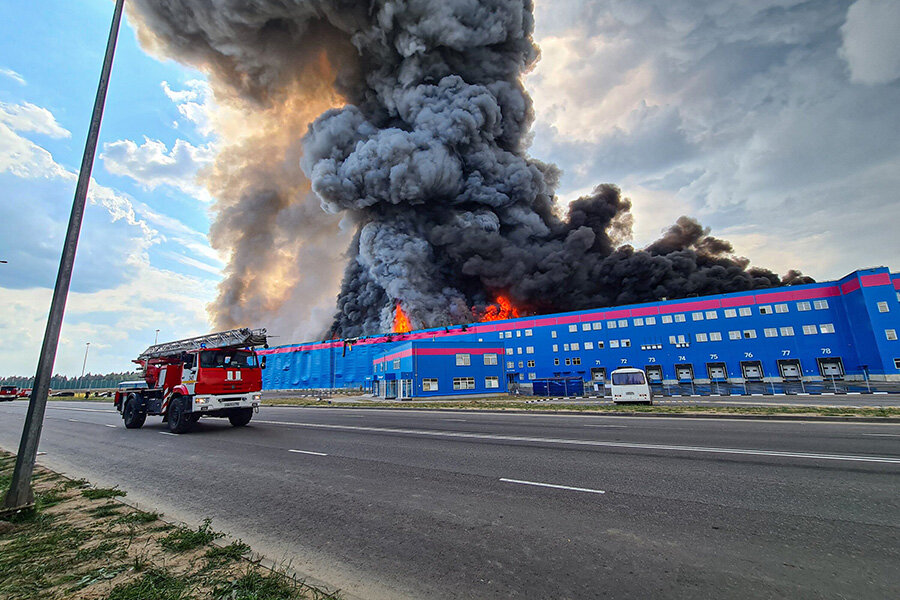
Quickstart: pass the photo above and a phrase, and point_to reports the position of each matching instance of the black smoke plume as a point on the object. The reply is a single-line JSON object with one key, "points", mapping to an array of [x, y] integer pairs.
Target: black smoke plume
{"points": [[426, 157]]}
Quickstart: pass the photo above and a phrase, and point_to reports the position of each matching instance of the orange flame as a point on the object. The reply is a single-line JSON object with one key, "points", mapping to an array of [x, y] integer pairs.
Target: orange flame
{"points": [[401, 321], [500, 310]]}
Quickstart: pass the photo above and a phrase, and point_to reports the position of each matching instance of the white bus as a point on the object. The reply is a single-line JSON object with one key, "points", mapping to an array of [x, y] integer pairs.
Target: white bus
{"points": [[629, 385]]}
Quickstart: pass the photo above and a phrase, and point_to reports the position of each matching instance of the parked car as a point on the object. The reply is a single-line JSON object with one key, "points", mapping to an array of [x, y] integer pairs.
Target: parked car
{"points": [[8, 392]]}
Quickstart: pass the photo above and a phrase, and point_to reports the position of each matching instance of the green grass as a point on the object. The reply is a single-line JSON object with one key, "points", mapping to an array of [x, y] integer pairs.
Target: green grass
{"points": [[184, 539], [155, 584], [138, 517], [100, 493], [107, 510], [233, 551]]}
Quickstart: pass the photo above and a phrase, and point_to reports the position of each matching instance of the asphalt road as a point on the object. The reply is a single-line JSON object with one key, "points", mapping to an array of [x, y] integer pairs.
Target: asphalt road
{"points": [[417, 504]]}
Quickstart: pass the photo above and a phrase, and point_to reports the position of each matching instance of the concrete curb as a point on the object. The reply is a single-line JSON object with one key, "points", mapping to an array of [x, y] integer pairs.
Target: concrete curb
{"points": [[745, 417]]}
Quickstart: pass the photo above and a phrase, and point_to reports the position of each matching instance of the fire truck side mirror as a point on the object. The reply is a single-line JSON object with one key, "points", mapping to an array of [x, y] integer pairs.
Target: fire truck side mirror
{"points": [[262, 363]]}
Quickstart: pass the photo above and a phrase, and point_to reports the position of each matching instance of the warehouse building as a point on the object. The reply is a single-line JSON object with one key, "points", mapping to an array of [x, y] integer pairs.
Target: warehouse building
{"points": [[839, 330]]}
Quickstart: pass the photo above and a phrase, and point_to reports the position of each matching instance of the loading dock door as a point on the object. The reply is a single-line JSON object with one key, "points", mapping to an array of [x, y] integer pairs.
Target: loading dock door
{"points": [[790, 369], [831, 367], [598, 374], [751, 370], [684, 372], [717, 371], [654, 373]]}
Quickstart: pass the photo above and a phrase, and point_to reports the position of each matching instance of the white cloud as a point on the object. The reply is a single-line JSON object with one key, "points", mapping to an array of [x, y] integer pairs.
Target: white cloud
{"points": [[28, 118], [733, 112], [12, 75], [872, 41], [195, 103], [152, 164]]}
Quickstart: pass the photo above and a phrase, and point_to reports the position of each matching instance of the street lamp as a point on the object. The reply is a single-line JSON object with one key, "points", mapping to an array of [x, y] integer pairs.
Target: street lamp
{"points": [[87, 346], [156, 339]]}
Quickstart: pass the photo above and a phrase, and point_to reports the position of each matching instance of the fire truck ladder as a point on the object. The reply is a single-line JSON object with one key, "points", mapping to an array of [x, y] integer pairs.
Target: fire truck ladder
{"points": [[235, 338]]}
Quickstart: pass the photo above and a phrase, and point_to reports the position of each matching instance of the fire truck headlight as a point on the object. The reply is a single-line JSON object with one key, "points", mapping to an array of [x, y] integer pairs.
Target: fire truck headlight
{"points": [[200, 399], [256, 397]]}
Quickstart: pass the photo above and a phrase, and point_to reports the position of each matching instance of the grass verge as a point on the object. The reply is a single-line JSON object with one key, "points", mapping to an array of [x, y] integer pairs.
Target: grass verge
{"points": [[546, 407], [81, 543]]}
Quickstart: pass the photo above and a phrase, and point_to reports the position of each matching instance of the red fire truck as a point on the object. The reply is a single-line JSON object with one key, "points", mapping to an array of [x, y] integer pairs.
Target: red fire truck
{"points": [[216, 375]]}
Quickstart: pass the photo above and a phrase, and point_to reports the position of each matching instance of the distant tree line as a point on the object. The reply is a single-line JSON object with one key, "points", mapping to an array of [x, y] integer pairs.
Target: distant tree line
{"points": [[62, 382]]}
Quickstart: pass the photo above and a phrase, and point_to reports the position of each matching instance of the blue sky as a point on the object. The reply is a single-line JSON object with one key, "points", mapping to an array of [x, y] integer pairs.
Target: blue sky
{"points": [[773, 122]]}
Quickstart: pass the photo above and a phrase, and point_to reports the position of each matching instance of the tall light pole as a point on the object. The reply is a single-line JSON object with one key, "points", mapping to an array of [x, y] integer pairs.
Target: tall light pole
{"points": [[20, 494], [156, 339], [87, 347]]}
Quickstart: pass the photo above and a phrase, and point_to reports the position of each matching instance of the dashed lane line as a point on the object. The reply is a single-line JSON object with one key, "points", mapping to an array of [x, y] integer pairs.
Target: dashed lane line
{"points": [[552, 485], [307, 452], [597, 443]]}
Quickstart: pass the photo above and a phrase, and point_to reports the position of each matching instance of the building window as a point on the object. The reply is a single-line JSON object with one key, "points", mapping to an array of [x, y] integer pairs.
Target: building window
{"points": [[519, 350], [897, 363], [501, 335], [734, 335], [697, 316], [589, 345], [611, 325], [891, 334], [529, 332], [585, 326], [529, 349], [672, 339], [626, 343], [463, 383], [430, 385], [397, 364], [556, 347], [508, 335], [787, 331], [599, 344], [521, 364], [597, 325], [532, 376], [826, 328], [745, 311], [682, 340], [576, 361], [613, 343], [556, 361], [781, 308], [701, 337], [510, 351], [809, 330], [770, 332], [575, 346], [638, 322], [565, 347], [623, 322], [491, 382], [530, 364], [650, 320], [553, 333], [679, 318], [568, 361], [765, 309], [510, 364], [666, 319], [573, 327], [749, 334], [490, 359], [820, 304], [730, 313], [803, 306], [883, 307], [715, 336], [711, 314]]}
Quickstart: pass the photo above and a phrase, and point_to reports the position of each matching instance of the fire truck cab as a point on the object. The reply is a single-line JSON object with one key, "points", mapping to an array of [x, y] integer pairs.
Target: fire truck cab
{"points": [[216, 375]]}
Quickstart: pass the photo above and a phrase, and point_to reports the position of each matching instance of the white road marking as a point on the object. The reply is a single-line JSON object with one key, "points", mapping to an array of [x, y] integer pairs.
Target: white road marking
{"points": [[456, 420], [552, 485], [167, 433], [308, 452], [883, 434], [608, 426], [516, 438], [108, 425], [74, 421]]}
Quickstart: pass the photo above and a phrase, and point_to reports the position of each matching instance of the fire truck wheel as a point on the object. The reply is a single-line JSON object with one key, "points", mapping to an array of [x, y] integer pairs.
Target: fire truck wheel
{"points": [[132, 414], [240, 416], [179, 419]]}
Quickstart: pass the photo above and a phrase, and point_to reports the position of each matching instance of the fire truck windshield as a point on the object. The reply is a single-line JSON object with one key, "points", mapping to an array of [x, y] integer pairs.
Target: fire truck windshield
{"points": [[232, 359]]}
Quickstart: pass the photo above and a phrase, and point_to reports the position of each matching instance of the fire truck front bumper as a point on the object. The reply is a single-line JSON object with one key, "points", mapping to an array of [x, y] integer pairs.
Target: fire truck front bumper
{"points": [[204, 403]]}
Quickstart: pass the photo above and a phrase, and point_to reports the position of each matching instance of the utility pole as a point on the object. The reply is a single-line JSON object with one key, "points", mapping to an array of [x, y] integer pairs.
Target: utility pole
{"points": [[87, 347], [20, 494], [156, 339]]}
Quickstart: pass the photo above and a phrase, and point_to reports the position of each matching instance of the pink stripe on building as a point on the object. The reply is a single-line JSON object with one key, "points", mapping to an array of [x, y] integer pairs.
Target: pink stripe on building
{"points": [[689, 306], [850, 286], [875, 279]]}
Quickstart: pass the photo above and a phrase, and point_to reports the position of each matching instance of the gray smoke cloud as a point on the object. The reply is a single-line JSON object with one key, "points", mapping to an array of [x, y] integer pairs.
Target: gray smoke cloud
{"points": [[425, 155]]}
